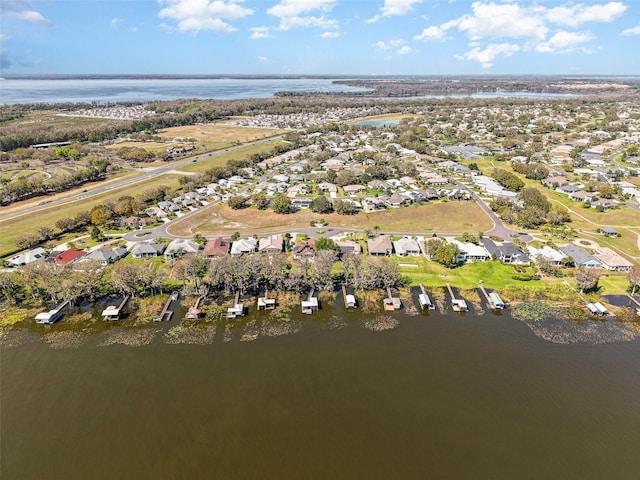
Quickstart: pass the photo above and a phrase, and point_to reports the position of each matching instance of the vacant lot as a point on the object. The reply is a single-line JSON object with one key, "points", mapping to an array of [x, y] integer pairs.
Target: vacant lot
{"points": [[442, 217], [236, 154], [216, 136]]}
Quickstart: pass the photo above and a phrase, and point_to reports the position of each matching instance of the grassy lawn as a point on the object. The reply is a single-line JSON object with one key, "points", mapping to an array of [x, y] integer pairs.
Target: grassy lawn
{"points": [[423, 219], [236, 154], [16, 227], [155, 147], [217, 136]]}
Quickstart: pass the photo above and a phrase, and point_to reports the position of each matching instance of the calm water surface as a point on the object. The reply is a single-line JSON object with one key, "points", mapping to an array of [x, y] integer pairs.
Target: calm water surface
{"points": [[438, 397]]}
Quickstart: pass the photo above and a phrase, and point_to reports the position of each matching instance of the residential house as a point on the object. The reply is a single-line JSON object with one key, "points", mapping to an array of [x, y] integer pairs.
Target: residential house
{"points": [[353, 189], [396, 200], [349, 247], [243, 247], [612, 261], [581, 258], [406, 247], [470, 252], [328, 187], [179, 247], [546, 253], [217, 247], [609, 232], [68, 256], [584, 197], [380, 246], [148, 249], [271, 244], [555, 181], [301, 202], [305, 251], [105, 256], [35, 255], [506, 253], [372, 204]]}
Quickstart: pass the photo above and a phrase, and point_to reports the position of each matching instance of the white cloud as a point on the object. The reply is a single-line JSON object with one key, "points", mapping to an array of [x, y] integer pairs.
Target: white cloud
{"points": [[576, 15], [397, 42], [260, 32], [262, 59], [632, 31], [331, 35], [196, 15], [565, 42], [404, 50], [115, 22], [21, 10], [499, 28], [381, 45], [487, 55], [296, 14], [393, 8]]}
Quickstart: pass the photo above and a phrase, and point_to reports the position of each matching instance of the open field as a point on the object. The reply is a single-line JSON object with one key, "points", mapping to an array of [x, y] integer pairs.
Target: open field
{"points": [[222, 159], [217, 136], [53, 119], [455, 217], [155, 147], [47, 217]]}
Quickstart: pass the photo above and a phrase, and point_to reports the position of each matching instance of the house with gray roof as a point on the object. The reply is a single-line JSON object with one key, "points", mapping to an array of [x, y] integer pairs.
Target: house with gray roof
{"points": [[26, 258], [179, 247], [243, 247], [581, 258], [148, 249], [380, 246], [406, 247], [507, 253]]}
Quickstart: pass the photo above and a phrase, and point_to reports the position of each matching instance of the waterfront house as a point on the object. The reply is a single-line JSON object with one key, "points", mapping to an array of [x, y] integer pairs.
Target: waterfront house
{"points": [[148, 249], [105, 256], [179, 247], [612, 261], [217, 247], [68, 256], [470, 252], [271, 244], [581, 258], [35, 255], [244, 246], [305, 250], [506, 253], [380, 246], [406, 247], [349, 247], [551, 255]]}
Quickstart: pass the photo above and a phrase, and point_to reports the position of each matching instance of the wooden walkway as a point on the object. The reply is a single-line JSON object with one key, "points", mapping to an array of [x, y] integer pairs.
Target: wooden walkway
{"points": [[166, 313]]}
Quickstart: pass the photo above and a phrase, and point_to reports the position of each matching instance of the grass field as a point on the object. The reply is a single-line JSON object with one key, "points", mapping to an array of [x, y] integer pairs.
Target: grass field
{"points": [[217, 136], [437, 217], [47, 217], [222, 159], [155, 147]]}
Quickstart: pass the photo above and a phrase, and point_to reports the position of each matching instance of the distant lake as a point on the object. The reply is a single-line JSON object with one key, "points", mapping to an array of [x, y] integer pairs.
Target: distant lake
{"points": [[379, 123], [440, 396], [105, 90]]}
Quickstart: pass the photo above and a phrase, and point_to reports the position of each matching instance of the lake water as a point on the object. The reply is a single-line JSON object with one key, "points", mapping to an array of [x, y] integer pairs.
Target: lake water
{"points": [[443, 396], [105, 90]]}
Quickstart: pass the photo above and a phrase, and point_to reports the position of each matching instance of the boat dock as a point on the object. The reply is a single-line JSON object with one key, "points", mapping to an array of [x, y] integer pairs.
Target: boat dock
{"points": [[52, 316], [112, 313], [598, 309], [425, 301], [457, 304], [311, 304], [237, 310], [194, 311], [349, 300], [493, 299], [266, 303], [391, 303], [166, 313]]}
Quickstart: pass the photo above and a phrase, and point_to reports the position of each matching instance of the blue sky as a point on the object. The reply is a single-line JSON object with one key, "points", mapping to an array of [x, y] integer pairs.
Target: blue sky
{"points": [[360, 37]]}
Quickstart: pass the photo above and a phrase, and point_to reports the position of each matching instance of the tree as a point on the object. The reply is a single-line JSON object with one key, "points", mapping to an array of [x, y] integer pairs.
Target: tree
{"points": [[101, 215], [237, 202], [282, 204], [324, 243], [343, 207], [96, 234], [532, 197], [587, 279], [633, 275], [260, 201], [321, 204], [200, 239], [321, 270]]}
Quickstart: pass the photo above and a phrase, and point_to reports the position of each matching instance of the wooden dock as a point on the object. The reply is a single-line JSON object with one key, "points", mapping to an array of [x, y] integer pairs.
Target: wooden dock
{"points": [[311, 304], [266, 303], [391, 303], [425, 301], [52, 316], [112, 313], [493, 299], [349, 300], [194, 311], [166, 313], [457, 304], [237, 310]]}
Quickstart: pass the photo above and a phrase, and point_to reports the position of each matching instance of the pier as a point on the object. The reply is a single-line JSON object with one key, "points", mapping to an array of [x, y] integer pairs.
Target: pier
{"points": [[457, 304], [52, 316], [425, 301], [311, 304], [166, 313], [237, 310], [349, 300], [194, 311], [493, 299], [112, 313], [391, 303], [266, 303]]}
